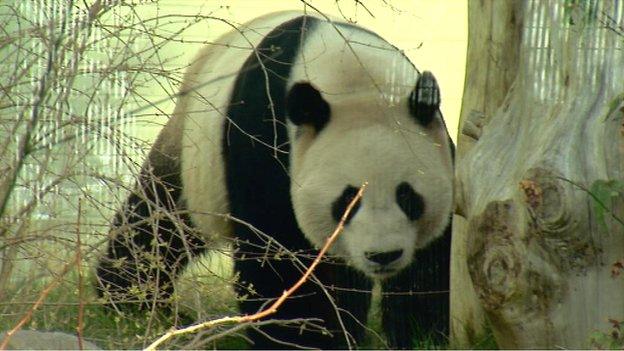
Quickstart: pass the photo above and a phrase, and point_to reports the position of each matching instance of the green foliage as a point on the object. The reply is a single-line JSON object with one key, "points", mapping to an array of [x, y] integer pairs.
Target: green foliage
{"points": [[603, 192], [615, 104], [588, 9], [486, 342], [482, 340], [609, 340]]}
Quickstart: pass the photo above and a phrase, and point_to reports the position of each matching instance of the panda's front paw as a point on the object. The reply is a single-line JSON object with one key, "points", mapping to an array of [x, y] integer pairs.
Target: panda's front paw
{"points": [[424, 101]]}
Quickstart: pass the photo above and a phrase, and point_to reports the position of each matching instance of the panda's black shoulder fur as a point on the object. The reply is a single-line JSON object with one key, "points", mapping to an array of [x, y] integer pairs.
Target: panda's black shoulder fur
{"points": [[256, 169]]}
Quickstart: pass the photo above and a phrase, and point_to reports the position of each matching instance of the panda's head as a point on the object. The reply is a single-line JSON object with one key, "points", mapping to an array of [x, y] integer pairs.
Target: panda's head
{"points": [[340, 141]]}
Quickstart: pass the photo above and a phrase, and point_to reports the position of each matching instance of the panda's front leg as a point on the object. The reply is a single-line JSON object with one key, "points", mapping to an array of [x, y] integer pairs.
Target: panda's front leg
{"points": [[415, 303], [424, 101]]}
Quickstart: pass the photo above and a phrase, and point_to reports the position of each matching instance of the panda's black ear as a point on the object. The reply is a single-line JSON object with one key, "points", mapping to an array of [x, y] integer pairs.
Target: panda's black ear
{"points": [[305, 105], [424, 101]]}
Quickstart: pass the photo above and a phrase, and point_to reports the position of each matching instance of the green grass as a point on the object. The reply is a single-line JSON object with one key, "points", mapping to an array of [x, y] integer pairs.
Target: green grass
{"points": [[485, 342], [107, 328]]}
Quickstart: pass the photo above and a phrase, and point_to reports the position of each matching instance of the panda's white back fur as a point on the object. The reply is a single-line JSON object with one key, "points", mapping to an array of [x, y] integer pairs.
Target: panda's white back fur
{"points": [[210, 81], [370, 137]]}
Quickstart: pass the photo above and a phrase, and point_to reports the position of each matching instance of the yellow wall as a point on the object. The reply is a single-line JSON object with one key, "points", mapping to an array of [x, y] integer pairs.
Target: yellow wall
{"points": [[433, 33]]}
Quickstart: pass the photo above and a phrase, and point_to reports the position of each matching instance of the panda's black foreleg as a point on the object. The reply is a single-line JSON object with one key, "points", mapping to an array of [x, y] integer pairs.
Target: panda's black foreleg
{"points": [[316, 325], [415, 303], [352, 292], [297, 320], [150, 243]]}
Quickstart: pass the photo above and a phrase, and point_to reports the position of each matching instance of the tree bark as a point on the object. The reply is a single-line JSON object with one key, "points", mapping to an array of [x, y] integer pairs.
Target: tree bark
{"points": [[492, 61], [534, 248]]}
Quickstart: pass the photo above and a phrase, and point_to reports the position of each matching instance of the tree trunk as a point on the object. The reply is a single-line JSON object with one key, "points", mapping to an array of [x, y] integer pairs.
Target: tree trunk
{"points": [[538, 230]]}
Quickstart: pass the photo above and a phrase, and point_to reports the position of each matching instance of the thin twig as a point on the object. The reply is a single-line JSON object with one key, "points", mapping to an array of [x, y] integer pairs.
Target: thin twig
{"points": [[285, 295], [80, 326]]}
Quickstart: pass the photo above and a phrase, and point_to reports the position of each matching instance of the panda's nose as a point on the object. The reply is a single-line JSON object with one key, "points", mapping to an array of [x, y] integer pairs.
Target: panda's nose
{"points": [[383, 258]]}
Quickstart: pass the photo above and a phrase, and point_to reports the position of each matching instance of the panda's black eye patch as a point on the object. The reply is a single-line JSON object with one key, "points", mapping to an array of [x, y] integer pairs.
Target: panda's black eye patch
{"points": [[305, 106], [410, 201], [340, 204]]}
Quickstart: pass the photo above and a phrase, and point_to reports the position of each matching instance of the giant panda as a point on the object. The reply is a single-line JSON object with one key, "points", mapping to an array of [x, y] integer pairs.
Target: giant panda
{"points": [[276, 126]]}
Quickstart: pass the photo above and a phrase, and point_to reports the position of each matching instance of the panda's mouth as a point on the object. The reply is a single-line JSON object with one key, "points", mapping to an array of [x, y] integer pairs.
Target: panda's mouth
{"points": [[378, 271], [384, 272]]}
